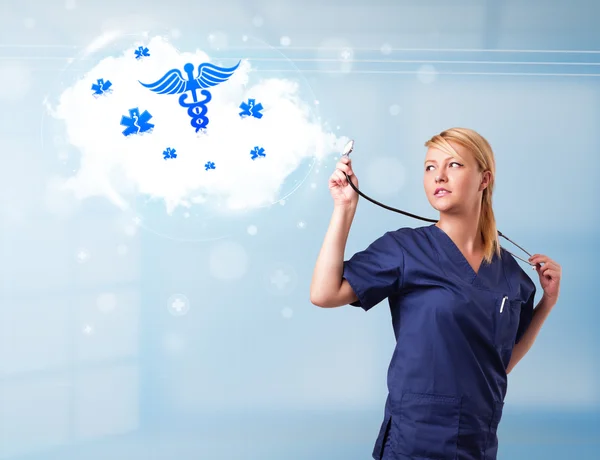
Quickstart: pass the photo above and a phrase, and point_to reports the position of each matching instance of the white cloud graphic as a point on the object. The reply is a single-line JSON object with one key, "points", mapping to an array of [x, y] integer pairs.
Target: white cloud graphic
{"points": [[117, 166]]}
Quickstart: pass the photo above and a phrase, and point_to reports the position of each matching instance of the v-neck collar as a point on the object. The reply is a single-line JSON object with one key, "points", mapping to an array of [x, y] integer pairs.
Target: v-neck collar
{"points": [[461, 265]]}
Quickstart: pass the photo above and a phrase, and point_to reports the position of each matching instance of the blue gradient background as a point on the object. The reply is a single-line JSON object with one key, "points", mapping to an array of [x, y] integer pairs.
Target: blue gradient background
{"points": [[253, 372]]}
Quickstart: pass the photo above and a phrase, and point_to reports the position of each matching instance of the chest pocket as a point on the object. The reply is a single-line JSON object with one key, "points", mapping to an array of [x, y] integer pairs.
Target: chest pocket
{"points": [[506, 321]]}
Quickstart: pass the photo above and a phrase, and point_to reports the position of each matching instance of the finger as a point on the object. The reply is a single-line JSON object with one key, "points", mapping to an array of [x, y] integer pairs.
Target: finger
{"points": [[534, 258], [549, 273], [334, 179], [549, 264], [539, 267], [345, 168], [340, 175], [337, 171], [348, 162], [539, 258], [547, 268], [553, 265]]}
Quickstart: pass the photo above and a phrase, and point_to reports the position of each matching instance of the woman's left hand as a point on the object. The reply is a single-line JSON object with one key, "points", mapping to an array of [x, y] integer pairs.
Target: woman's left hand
{"points": [[549, 273]]}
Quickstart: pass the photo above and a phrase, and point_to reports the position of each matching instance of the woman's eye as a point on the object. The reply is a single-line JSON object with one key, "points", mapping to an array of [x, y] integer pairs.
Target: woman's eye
{"points": [[428, 168]]}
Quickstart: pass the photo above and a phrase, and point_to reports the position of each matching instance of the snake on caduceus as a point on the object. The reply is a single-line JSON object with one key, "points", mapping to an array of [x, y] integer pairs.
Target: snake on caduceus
{"points": [[173, 82]]}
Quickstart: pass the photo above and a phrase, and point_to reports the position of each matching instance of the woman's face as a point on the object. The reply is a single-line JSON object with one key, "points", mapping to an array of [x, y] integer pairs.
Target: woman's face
{"points": [[459, 182]]}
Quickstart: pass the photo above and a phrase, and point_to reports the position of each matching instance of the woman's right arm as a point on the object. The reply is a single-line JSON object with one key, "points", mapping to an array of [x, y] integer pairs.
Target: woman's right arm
{"points": [[328, 288]]}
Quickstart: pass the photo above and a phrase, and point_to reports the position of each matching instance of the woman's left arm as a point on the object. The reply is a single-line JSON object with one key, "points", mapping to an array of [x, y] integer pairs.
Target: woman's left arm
{"points": [[550, 275]]}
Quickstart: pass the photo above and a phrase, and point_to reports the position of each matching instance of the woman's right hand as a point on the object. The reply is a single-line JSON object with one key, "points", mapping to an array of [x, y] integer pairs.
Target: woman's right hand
{"points": [[341, 191]]}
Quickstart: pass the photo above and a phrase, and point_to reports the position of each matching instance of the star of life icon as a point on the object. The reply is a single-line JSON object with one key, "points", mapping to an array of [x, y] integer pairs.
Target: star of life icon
{"points": [[136, 123], [101, 87]]}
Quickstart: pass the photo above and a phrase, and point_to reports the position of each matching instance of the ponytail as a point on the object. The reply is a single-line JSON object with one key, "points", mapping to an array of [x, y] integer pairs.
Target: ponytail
{"points": [[487, 224]]}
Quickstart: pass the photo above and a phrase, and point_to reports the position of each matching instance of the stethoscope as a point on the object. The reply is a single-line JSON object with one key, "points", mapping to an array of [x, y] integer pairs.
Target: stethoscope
{"points": [[346, 153]]}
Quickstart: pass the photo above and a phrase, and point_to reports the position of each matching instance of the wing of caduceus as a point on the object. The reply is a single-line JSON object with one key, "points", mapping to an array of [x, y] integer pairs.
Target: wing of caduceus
{"points": [[173, 82], [211, 75], [170, 83]]}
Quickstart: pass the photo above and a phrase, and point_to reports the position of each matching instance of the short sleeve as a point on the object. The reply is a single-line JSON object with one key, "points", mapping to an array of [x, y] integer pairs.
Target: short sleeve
{"points": [[526, 315], [376, 272]]}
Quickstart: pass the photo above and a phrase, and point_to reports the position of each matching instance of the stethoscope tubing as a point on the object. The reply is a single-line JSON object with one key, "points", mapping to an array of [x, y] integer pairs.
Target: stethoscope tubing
{"points": [[414, 216]]}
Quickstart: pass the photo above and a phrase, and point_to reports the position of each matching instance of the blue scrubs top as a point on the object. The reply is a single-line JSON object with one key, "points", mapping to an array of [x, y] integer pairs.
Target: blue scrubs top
{"points": [[455, 330]]}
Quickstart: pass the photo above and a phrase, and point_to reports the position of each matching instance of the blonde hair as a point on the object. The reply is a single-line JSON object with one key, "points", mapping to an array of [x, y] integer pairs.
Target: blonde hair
{"points": [[482, 152]]}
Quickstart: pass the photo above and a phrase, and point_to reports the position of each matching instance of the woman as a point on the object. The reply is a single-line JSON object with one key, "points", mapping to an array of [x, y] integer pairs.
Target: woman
{"points": [[462, 308]]}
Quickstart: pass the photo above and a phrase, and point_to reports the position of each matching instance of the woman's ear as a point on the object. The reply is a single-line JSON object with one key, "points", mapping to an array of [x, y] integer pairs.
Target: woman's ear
{"points": [[485, 180]]}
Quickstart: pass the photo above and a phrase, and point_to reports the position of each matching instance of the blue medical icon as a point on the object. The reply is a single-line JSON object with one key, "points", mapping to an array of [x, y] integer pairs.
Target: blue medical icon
{"points": [[141, 52], [169, 153], [257, 152], [251, 108], [209, 165], [173, 82], [101, 87], [136, 123]]}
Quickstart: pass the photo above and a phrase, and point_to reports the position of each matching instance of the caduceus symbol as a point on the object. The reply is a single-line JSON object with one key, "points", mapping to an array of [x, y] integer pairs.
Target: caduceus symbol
{"points": [[208, 75]]}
